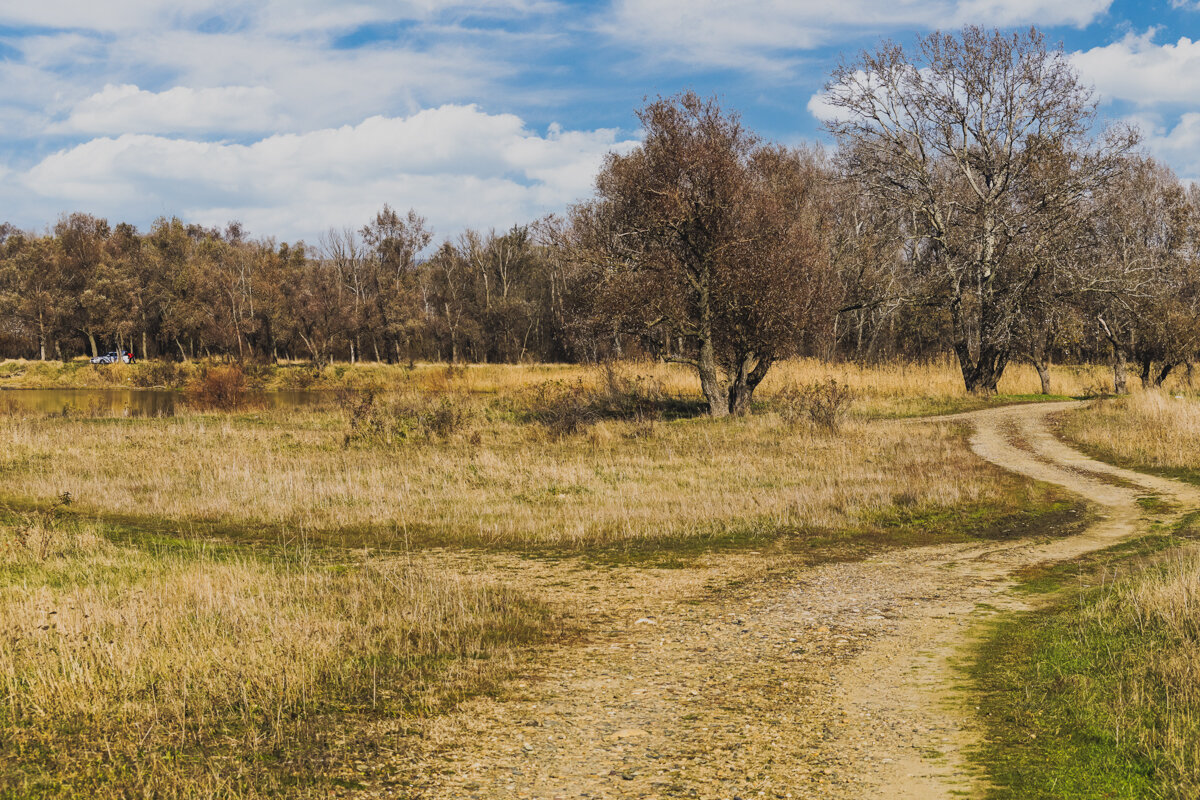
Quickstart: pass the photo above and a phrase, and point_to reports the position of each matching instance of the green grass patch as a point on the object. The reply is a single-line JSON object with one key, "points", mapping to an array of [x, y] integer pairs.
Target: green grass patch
{"points": [[936, 406], [1080, 699]]}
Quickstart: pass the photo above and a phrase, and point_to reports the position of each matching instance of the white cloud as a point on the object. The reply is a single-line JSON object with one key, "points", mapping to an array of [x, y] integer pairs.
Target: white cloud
{"points": [[1138, 70], [281, 16], [753, 34], [128, 109], [293, 84], [456, 164], [1176, 144], [820, 107]]}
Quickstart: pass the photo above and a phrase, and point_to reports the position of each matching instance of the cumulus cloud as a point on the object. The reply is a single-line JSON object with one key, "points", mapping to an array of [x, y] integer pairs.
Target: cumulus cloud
{"points": [[820, 107], [126, 82], [128, 109], [1175, 142], [1138, 70], [753, 34], [457, 164]]}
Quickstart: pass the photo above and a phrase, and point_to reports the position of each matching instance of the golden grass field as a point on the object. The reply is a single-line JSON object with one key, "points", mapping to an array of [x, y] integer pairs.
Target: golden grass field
{"points": [[230, 598], [512, 486], [881, 390], [202, 672], [1157, 431]]}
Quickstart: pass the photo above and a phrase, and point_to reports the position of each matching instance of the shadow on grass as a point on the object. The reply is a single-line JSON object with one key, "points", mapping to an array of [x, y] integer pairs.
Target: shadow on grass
{"points": [[1042, 513]]}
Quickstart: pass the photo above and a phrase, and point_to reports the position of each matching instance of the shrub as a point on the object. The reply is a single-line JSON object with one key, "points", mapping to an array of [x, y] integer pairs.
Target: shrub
{"points": [[562, 408], [377, 419], [299, 377], [220, 388], [568, 408], [621, 396], [824, 403], [158, 374]]}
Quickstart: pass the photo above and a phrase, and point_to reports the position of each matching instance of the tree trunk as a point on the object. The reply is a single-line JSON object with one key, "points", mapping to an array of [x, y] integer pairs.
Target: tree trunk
{"points": [[1144, 372], [981, 375], [1043, 371], [1120, 375], [1163, 373], [741, 391], [92, 342], [714, 390]]}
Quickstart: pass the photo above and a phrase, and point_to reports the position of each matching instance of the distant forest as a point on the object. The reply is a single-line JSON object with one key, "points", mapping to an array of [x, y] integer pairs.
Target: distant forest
{"points": [[997, 226]]}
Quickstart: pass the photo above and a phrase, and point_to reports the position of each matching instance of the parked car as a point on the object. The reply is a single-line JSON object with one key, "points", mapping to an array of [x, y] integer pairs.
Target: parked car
{"points": [[107, 358], [114, 358]]}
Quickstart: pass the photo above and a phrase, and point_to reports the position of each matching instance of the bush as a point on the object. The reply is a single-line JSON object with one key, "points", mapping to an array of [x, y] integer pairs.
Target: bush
{"points": [[220, 388], [376, 419], [620, 396], [824, 403], [568, 408], [562, 408], [158, 374], [299, 377]]}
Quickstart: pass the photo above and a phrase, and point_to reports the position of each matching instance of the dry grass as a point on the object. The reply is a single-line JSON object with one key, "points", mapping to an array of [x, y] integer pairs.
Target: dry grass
{"points": [[508, 484], [882, 390], [133, 664], [201, 674], [1152, 624], [1148, 430]]}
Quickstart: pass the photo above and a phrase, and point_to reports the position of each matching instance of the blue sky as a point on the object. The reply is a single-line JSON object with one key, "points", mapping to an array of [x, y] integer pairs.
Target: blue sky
{"points": [[294, 116]]}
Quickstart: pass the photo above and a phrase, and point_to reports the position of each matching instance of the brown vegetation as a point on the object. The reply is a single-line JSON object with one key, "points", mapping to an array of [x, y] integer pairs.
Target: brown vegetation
{"points": [[200, 672], [1148, 430], [506, 484]]}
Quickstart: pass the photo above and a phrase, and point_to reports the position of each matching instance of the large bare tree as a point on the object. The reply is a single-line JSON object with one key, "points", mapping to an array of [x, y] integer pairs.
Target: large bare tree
{"points": [[956, 133]]}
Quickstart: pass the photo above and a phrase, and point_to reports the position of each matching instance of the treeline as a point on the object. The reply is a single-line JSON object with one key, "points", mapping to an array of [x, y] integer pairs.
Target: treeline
{"points": [[185, 291], [971, 209]]}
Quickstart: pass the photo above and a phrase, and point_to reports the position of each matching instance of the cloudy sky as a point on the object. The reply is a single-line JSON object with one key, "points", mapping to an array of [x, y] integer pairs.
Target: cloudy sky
{"points": [[293, 116]]}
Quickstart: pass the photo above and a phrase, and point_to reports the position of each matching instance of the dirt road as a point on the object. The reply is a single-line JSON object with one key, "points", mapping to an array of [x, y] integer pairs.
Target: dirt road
{"points": [[835, 685]]}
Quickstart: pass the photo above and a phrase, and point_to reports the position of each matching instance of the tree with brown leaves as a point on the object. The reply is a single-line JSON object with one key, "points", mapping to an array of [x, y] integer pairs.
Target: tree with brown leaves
{"points": [[713, 237]]}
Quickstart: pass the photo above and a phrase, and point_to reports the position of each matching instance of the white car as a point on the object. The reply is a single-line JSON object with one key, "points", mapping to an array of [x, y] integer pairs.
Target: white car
{"points": [[112, 358]]}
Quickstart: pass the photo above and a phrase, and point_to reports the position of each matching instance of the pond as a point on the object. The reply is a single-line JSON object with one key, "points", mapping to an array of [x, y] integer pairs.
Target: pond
{"points": [[130, 402]]}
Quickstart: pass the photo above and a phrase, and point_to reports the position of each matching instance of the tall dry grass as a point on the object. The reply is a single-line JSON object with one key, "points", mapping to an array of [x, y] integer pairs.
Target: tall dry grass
{"points": [[204, 674], [897, 389], [1147, 430]]}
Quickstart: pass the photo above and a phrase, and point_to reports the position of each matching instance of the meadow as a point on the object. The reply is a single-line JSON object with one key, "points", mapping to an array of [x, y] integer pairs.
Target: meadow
{"points": [[226, 601]]}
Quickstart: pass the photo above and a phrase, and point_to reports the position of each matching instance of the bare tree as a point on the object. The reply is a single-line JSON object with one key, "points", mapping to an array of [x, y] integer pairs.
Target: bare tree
{"points": [[393, 243], [955, 134], [1145, 288], [712, 236]]}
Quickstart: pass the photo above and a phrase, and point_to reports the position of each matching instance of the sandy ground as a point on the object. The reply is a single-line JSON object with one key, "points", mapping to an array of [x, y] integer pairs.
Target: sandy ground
{"points": [[835, 682]]}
